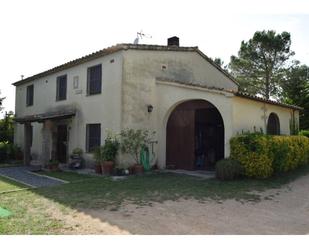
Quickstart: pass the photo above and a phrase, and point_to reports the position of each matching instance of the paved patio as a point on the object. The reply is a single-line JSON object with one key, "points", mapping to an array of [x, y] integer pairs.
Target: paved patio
{"points": [[24, 176]]}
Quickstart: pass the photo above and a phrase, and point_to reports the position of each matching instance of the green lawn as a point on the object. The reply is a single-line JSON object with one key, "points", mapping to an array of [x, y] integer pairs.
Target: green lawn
{"points": [[9, 185], [30, 207], [11, 164]]}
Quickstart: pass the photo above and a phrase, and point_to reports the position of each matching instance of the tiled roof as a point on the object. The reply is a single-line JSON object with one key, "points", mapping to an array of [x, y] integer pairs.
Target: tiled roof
{"points": [[236, 93], [114, 49], [48, 115], [253, 97]]}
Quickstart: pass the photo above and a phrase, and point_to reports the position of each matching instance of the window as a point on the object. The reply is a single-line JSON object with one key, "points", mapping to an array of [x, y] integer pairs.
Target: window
{"points": [[29, 98], [93, 136], [94, 80], [61, 88], [273, 124]]}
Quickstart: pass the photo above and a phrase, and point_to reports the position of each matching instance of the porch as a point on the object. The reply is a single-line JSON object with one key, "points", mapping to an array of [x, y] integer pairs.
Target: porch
{"points": [[54, 136]]}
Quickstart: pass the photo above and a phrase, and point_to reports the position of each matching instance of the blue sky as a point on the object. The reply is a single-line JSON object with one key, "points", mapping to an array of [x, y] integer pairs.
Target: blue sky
{"points": [[37, 35]]}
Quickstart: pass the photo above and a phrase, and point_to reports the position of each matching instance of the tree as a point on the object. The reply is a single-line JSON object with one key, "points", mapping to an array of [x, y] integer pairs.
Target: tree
{"points": [[295, 90], [261, 62], [7, 128], [1, 102]]}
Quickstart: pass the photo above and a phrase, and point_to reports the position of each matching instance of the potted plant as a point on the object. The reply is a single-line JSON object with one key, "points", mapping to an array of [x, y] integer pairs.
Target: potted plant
{"points": [[132, 142], [109, 153], [53, 165], [77, 153], [76, 159], [97, 154]]}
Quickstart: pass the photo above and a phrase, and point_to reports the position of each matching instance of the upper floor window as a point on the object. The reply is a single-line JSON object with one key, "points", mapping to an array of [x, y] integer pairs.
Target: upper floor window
{"points": [[273, 124], [93, 136], [61, 88], [94, 79], [29, 97]]}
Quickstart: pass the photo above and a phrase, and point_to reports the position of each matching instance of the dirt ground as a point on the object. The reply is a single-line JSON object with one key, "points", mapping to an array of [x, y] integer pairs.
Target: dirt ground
{"points": [[282, 211]]}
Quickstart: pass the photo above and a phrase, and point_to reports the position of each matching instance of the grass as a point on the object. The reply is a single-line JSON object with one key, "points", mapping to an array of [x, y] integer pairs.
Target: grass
{"points": [[9, 185], [30, 208], [10, 164], [68, 176]]}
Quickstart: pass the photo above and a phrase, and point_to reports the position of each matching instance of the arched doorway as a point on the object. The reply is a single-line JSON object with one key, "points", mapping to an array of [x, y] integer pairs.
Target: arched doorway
{"points": [[194, 136], [273, 124]]}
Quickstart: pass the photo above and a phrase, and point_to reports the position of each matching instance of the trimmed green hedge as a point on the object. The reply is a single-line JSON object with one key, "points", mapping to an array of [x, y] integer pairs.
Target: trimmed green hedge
{"points": [[263, 155], [228, 169], [304, 133]]}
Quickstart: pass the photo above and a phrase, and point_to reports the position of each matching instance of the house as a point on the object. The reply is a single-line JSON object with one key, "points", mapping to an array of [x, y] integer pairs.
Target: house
{"points": [[193, 105]]}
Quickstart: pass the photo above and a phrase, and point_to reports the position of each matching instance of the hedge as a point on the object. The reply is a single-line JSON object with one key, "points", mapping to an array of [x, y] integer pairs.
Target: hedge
{"points": [[263, 155]]}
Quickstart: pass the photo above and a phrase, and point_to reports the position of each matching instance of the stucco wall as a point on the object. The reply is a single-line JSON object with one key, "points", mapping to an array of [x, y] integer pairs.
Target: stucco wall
{"points": [[135, 79], [248, 114], [141, 68], [104, 108]]}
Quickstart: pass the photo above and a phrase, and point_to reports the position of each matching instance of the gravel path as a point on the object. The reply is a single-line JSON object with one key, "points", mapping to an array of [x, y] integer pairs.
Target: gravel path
{"points": [[23, 175], [281, 211]]}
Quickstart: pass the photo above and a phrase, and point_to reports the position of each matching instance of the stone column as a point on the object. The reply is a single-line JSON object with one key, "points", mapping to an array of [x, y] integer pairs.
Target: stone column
{"points": [[27, 145], [46, 141]]}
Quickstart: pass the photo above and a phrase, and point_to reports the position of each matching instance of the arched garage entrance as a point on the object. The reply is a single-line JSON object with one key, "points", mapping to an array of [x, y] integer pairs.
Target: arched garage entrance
{"points": [[194, 136]]}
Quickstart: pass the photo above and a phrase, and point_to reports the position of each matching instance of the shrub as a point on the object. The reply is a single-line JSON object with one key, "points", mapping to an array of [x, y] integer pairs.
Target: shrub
{"points": [[132, 142], [263, 155], [228, 169], [110, 149], [9, 151], [289, 152], [304, 133], [253, 152]]}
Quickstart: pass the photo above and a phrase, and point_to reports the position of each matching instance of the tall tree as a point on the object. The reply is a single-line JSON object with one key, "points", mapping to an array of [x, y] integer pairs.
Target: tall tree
{"points": [[259, 66], [295, 90], [1, 102]]}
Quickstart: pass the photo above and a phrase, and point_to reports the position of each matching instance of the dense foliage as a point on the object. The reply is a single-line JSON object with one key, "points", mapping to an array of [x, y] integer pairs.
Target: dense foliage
{"points": [[132, 142], [7, 128], [295, 91], [304, 133], [262, 155], [228, 169], [259, 66], [9, 151]]}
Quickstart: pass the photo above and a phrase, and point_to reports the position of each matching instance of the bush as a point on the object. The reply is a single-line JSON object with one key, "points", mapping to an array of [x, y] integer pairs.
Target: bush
{"points": [[304, 133], [110, 149], [8, 151], [133, 141], [262, 155], [228, 169], [253, 152]]}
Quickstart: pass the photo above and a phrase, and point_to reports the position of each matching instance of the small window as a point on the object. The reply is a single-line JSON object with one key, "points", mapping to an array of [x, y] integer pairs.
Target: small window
{"points": [[61, 88], [93, 136], [29, 98], [273, 124], [94, 80]]}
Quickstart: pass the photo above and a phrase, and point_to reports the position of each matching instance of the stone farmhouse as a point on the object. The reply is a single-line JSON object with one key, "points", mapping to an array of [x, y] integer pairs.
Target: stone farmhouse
{"points": [[192, 104]]}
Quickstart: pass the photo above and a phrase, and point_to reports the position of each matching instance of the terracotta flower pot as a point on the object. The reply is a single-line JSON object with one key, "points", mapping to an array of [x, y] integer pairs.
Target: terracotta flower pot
{"points": [[138, 169], [107, 167], [98, 169], [53, 167]]}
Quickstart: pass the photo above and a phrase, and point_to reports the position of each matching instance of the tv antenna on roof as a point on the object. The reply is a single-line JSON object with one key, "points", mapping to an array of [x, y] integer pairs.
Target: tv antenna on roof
{"points": [[140, 35]]}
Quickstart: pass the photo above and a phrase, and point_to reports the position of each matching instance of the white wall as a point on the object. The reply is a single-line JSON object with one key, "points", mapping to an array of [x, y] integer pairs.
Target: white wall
{"points": [[248, 114], [104, 108]]}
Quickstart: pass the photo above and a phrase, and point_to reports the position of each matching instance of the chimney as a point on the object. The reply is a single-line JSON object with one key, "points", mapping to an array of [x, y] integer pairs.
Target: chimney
{"points": [[173, 41]]}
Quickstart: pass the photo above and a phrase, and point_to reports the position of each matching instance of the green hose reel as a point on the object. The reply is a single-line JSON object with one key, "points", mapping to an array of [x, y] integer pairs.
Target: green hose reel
{"points": [[144, 158]]}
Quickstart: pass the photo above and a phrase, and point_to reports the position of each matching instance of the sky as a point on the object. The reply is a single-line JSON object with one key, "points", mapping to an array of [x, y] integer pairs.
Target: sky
{"points": [[37, 35]]}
